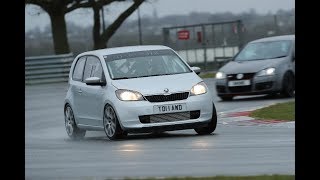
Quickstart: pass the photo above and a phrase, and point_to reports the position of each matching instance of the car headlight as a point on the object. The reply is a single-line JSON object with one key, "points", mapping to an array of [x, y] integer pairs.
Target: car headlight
{"points": [[198, 89], [127, 95], [266, 72], [220, 75]]}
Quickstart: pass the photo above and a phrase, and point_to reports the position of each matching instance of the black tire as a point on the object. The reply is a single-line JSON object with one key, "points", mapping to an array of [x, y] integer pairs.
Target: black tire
{"points": [[226, 98], [211, 126], [111, 124], [71, 126], [288, 85]]}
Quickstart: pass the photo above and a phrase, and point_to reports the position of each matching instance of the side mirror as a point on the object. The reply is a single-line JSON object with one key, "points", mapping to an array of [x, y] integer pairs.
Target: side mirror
{"points": [[293, 57], [197, 70], [94, 81]]}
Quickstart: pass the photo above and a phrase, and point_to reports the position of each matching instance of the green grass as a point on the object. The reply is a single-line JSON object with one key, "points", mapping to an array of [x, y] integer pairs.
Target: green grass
{"points": [[207, 75], [280, 111], [261, 177]]}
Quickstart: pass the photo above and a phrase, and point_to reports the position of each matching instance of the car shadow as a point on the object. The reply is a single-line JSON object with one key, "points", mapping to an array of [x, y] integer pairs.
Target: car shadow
{"points": [[148, 136]]}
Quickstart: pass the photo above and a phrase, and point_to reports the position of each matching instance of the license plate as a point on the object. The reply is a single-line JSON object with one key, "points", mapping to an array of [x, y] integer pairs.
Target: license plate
{"points": [[239, 83], [168, 108]]}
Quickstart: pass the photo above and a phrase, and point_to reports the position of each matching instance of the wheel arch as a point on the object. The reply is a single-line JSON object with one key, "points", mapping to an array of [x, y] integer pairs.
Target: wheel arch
{"points": [[109, 103], [289, 71], [67, 103], [284, 84]]}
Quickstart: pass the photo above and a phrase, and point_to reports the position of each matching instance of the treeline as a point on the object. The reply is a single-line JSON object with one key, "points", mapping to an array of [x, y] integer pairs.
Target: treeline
{"points": [[256, 25]]}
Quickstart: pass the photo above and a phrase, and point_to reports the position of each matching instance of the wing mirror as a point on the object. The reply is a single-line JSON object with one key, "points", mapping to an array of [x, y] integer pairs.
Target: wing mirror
{"points": [[197, 70], [94, 81]]}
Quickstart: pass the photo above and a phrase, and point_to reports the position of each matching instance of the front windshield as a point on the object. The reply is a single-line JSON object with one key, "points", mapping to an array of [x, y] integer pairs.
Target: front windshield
{"points": [[144, 64], [264, 50]]}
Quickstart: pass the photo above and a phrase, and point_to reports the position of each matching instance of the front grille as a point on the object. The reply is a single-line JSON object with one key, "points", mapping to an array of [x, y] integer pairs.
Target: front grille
{"points": [[170, 97], [245, 76], [221, 89], [169, 117], [240, 89]]}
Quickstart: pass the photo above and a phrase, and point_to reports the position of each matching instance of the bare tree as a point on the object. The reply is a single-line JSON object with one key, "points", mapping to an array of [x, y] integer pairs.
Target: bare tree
{"points": [[57, 9], [101, 39]]}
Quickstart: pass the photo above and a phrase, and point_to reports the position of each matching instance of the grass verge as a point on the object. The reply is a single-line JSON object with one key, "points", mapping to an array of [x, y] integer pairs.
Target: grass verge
{"points": [[261, 177], [280, 111], [207, 75]]}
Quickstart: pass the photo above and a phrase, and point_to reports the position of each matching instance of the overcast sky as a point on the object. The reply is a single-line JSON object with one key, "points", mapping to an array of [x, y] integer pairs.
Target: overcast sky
{"points": [[162, 8]]}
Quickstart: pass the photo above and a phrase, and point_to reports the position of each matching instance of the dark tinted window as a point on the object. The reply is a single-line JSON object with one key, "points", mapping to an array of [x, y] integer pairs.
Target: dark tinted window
{"points": [[78, 70], [93, 68]]}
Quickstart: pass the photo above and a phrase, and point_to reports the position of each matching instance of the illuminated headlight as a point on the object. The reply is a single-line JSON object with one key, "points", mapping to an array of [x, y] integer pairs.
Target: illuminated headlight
{"points": [[127, 95], [266, 72], [198, 89], [220, 75]]}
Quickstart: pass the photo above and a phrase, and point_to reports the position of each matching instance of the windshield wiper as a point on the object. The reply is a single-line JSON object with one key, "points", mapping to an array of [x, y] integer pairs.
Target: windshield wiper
{"points": [[144, 76], [162, 74], [278, 57], [259, 59], [249, 60], [153, 75], [121, 78]]}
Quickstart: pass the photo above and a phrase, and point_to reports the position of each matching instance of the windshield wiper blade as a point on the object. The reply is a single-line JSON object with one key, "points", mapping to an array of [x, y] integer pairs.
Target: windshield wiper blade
{"points": [[162, 74], [249, 60], [142, 76], [153, 75], [121, 78], [278, 57]]}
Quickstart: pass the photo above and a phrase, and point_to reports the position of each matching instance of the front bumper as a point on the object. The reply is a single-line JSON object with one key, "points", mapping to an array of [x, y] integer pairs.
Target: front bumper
{"points": [[170, 127], [128, 114], [258, 85]]}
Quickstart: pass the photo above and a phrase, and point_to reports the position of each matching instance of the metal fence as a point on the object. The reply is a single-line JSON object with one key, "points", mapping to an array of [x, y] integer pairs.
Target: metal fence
{"points": [[47, 69], [267, 26], [206, 45]]}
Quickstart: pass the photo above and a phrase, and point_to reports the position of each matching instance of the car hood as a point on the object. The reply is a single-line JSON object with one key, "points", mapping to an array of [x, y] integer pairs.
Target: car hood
{"points": [[235, 67], [157, 84]]}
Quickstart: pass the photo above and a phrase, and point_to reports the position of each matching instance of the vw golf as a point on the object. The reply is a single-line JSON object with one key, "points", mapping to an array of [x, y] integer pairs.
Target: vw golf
{"points": [[136, 89], [263, 66]]}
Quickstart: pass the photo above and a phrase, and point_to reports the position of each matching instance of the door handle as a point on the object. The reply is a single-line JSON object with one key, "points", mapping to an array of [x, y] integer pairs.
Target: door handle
{"points": [[80, 91]]}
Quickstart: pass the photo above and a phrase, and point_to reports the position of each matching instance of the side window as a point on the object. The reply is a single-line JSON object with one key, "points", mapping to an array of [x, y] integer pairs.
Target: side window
{"points": [[78, 70], [93, 68]]}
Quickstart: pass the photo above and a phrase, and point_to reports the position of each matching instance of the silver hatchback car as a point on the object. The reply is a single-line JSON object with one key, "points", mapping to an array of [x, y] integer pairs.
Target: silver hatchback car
{"points": [[136, 89], [263, 66]]}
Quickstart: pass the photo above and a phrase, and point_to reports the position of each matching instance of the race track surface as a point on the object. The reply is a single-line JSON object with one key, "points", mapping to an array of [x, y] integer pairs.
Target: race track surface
{"points": [[230, 150]]}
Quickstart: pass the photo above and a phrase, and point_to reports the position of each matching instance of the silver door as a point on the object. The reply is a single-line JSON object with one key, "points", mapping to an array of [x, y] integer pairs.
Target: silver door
{"points": [[76, 85], [91, 99]]}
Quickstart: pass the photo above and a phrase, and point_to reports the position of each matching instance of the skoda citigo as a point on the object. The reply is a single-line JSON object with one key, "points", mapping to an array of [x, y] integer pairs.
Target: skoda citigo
{"points": [[136, 89]]}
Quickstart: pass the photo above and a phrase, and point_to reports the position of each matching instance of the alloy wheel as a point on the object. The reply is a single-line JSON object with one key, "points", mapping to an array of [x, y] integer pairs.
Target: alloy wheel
{"points": [[69, 121], [109, 121]]}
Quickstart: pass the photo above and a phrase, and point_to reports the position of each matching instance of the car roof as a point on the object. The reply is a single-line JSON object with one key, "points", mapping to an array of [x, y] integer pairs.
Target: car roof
{"points": [[124, 49], [275, 38]]}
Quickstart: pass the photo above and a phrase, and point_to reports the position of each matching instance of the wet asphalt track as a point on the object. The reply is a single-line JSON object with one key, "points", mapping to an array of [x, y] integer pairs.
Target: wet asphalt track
{"points": [[231, 150]]}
